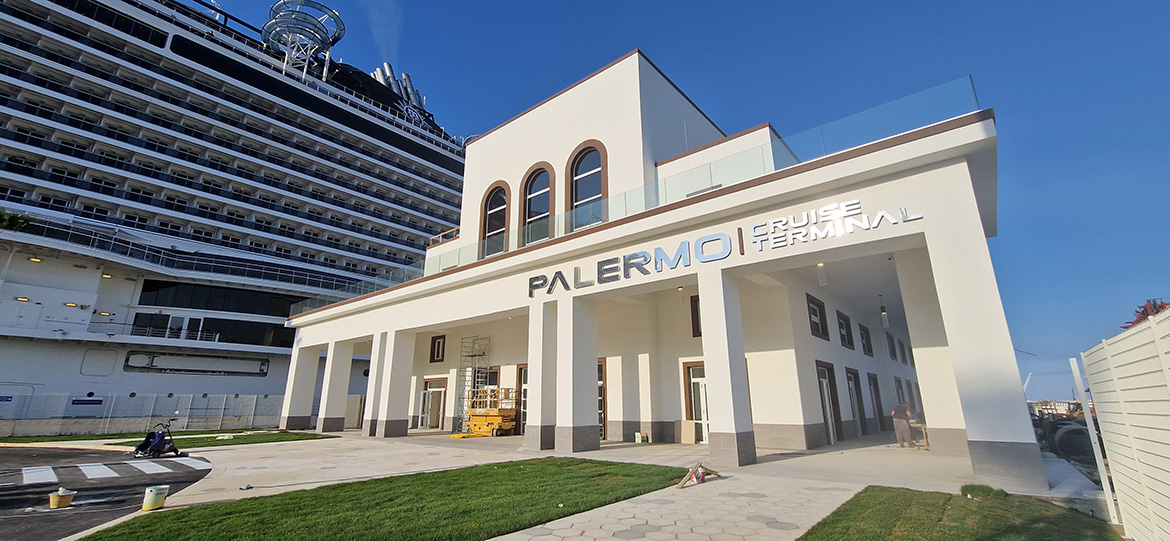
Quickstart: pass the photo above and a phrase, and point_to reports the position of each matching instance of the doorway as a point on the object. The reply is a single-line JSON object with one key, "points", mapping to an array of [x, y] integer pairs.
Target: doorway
{"points": [[830, 404], [434, 403], [522, 390], [875, 397], [856, 401], [601, 395], [696, 398]]}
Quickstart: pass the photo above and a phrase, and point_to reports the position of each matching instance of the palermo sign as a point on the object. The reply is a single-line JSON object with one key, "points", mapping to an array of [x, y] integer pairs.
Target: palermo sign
{"points": [[833, 220]]}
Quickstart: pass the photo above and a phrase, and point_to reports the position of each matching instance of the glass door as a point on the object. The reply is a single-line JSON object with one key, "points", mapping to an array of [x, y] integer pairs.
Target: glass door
{"points": [[697, 376], [827, 405], [523, 398]]}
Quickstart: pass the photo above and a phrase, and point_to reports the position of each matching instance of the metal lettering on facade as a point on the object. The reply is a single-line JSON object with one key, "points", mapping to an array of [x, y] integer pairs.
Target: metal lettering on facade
{"points": [[829, 221]]}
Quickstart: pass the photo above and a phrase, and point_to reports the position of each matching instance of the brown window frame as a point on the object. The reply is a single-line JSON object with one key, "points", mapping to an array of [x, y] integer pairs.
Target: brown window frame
{"points": [[696, 319], [443, 354]]}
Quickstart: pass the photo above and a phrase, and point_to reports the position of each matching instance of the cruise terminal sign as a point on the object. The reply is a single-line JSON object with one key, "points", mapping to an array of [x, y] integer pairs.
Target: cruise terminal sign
{"points": [[833, 220]]}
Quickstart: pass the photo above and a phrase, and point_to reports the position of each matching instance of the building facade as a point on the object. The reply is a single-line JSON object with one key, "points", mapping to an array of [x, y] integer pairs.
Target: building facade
{"points": [[632, 269], [189, 188]]}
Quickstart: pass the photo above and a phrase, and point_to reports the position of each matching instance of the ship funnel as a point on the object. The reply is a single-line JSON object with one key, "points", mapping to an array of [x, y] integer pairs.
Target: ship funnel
{"points": [[303, 29], [411, 94]]}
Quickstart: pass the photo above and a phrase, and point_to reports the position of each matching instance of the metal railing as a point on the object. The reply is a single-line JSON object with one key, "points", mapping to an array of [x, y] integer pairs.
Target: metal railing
{"points": [[154, 67], [154, 255], [52, 414], [176, 333], [201, 137]]}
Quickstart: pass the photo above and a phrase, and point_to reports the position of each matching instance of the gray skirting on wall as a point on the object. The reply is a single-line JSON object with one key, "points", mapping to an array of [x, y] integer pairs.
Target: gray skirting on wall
{"points": [[331, 424], [539, 437], [1012, 466], [296, 422], [577, 438]]}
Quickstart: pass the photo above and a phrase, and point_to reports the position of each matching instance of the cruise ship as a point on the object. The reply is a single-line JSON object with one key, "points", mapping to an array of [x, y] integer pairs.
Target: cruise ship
{"points": [[173, 181]]}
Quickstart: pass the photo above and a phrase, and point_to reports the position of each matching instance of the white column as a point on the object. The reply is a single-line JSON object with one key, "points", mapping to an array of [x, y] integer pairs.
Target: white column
{"points": [[932, 354], [297, 411], [577, 428], [394, 402], [374, 383], [335, 389], [542, 376], [1000, 436], [725, 363]]}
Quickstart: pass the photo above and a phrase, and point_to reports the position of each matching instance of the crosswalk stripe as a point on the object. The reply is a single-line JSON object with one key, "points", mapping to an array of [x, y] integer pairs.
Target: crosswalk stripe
{"points": [[97, 471], [193, 463], [38, 474], [150, 467]]}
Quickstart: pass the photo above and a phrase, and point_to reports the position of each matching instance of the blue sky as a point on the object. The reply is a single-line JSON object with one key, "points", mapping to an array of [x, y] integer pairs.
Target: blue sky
{"points": [[1079, 89]]}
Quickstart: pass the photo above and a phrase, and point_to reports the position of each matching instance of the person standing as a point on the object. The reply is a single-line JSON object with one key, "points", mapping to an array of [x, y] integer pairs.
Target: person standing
{"points": [[901, 415]]}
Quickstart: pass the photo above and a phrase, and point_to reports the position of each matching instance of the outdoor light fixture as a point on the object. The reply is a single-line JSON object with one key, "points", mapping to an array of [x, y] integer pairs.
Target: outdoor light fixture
{"points": [[22, 299], [885, 317], [105, 313], [35, 259], [821, 278], [107, 275], [679, 288], [71, 304]]}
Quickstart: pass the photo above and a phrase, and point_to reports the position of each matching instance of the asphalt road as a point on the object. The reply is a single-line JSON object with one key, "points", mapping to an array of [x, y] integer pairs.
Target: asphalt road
{"points": [[109, 484]]}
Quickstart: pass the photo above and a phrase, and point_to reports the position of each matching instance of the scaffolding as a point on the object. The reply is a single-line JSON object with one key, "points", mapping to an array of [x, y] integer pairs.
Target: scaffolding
{"points": [[474, 361]]}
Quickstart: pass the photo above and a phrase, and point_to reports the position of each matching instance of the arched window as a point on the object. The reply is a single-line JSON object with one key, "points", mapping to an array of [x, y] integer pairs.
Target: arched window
{"points": [[495, 222], [537, 203], [585, 189]]}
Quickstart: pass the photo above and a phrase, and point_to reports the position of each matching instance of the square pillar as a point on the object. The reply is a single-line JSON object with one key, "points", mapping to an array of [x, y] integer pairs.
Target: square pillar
{"points": [[394, 398], [577, 427], [296, 413], [932, 354], [539, 432], [374, 384], [1000, 438], [335, 389], [732, 438]]}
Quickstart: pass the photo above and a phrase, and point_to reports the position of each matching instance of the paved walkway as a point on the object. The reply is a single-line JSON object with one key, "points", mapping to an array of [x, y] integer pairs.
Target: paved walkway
{"points": [[779, 498], [738, 506]]}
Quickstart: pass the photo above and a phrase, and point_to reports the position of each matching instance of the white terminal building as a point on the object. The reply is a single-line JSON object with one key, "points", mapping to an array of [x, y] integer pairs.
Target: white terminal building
{"points": [[191, 178], [630, 268]]}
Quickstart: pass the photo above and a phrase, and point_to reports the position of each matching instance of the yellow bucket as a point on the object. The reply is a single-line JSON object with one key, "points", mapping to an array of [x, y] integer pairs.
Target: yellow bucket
{"points": [[58, 500], [155, 497]]}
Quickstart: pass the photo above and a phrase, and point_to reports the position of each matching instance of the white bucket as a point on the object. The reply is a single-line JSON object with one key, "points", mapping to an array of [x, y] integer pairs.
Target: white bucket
{"points": [[155, 497]]}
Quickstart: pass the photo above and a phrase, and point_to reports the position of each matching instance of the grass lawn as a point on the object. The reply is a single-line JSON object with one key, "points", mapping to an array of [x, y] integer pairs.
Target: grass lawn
{"points": [[898, 513], [211, 441], [85, 437], [468, 503]]}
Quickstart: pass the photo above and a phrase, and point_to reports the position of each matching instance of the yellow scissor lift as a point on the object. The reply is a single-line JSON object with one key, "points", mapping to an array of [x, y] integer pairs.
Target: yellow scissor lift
{"points": [[490, 412]]}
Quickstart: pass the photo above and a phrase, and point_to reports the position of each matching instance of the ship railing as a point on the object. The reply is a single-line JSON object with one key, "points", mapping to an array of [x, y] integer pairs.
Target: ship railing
{"points": [[365, 104], [113, 329], [208, 263], [133, 411], [937, 104]]}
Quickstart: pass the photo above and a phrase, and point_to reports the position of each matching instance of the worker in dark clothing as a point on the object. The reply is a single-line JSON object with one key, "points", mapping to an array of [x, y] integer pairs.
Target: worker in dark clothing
{"points": [[901, 415]]}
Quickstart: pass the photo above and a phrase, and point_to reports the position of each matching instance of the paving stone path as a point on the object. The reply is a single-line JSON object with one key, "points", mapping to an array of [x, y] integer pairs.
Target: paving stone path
{"points": [[737, 506]]}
